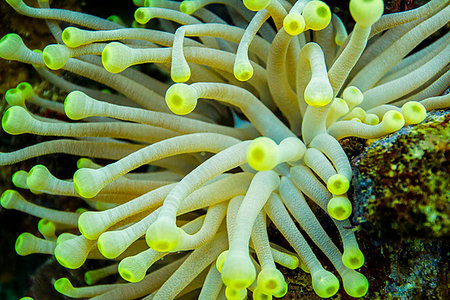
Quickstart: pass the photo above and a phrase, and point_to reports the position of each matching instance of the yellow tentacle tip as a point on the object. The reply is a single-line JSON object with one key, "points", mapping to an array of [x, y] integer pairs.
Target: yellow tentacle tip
{"points": [[238, 271], [339, 208], [131, 269], [63, 285], [338, 184], [16, 120], [414, 112], [317, 15], [55, 56], [181, 98], [294, 23], [235, 294], [270, 281], [114, 57], [256, 5], [14, 97], [392, 121], [325, 284], [366, 12], [353, 258], [355, 284], [163, 235], [262, 154], [243, 71], [85, 182]]}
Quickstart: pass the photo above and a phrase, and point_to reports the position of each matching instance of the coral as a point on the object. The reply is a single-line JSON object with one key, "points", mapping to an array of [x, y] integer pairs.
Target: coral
{"points": [[182, 204]]}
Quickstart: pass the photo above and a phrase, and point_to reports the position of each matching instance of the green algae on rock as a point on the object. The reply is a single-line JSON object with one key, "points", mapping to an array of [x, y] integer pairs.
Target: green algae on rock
{"points": [[402, 186]]}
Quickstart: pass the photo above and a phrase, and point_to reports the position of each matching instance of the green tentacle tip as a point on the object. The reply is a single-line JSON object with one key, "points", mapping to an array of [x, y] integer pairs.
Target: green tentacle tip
{"points": [[238, 271], [16, 120], [25, 244], [131, 269], [38, 177], [271, 281], [26, 298], [74, 105], [188, 7], [63, 285], [14, 97], [142, 15], [353, 258], [8, 199], [181, 98], [325, 284], [338, 184], [55, 56], [46, 227], [163, 235], [262, 154], [221, 260], [235, 294], [10, 45], [281, 293], [256, 5], [355, 284], [73, 37], [114, 57], [366, 12], [339, 208], [19, 179], [85, 183], [258, 294], [26, 89]]}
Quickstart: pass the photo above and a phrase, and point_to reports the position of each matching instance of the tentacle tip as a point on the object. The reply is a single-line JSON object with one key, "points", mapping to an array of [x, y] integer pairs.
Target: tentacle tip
{"points": [[353, 258], [238, 271], [142, 15], [188, 7], [317, 15], [163, 235], [63, 285], [270, 281], [55, 56], [338, 184], [114, 57], [262, 154], [392, 121], [181, 98], [366, 12], [243, 71], [414, 112], [24, 244], [294, 23], [86, 183], [339, 208], [256, 5], [16, 120], [355, 284], [325, 284], [75, 105]]}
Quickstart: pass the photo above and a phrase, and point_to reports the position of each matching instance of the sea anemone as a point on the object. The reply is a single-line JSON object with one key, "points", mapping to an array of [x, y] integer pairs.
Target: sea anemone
{"points": [[295, 86]]}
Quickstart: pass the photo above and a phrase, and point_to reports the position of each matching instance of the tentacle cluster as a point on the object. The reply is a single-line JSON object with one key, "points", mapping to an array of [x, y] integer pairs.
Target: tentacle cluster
{"points": [[198, 218]]}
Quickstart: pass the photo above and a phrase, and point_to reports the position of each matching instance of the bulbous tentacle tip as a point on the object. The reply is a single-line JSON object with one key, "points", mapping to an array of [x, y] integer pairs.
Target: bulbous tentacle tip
{"points": [[270, 281], [75, 105], [25, 244], [55, 56], [294, 23], [258, 294], [317, 15], [235, 294], [63, 285], [366, 12], [392, 121], [10, 46], [325, 284], [14, 97], [243, 71], [142, 15], [238, 271], [86, 183], [339, 208], [38, 177], [318, 92], [256, 5], [180, 73], [188, 7], [16, 120], [131, 270], [355, 284], [181, 98], [414, 112], [9, 199], [114, 57], [163, 235], [221, 260], [338, 184], [353, 258], [262, 154], [73, 37]]}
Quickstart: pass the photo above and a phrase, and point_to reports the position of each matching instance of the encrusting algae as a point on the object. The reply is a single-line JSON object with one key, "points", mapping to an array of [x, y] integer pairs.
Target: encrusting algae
{"points": [[299, 83]]}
